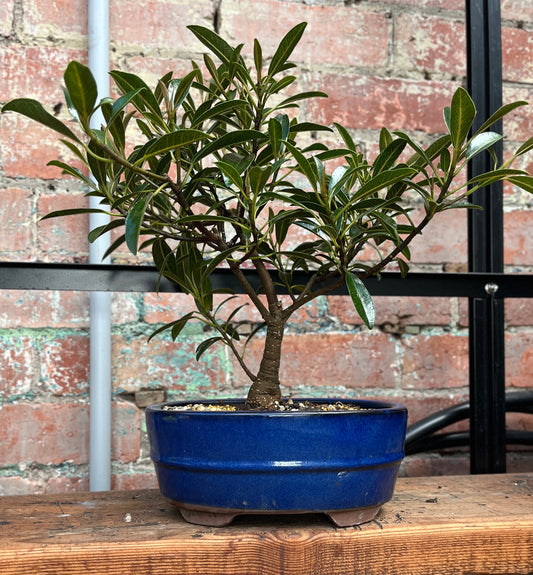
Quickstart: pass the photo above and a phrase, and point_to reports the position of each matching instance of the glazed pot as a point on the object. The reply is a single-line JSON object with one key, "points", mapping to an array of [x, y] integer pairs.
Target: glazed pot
{"points": [[214, 465]]}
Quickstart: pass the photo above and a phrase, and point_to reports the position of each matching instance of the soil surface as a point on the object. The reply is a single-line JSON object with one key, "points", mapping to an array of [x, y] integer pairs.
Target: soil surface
{"points": [[283, 405]]}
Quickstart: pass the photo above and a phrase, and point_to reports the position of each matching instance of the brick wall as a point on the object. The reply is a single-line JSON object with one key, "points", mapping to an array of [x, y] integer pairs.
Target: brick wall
{"points": [[390, 62]]}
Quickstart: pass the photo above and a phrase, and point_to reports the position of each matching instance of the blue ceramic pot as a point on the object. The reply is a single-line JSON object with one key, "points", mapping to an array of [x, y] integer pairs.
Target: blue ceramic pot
{"points": [[215, 465]]}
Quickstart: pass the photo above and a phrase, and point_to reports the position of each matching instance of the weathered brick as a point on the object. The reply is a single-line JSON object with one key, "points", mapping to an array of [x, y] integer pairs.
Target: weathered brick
{"points": [[367, 102], [6, 17], [46, 433], [16, 223], [62, 238], [355, 361], [435, 362], [138, 363], [335, 35], [165, 307], [517, 55], [65, 365], [61, 19], [43, 309], [66, 484], [519, 360], [35, 72], [126, 440], [130, 481], [518, 311], [395, 312], [521, 10], [518, 238], [15, 485], [16, 365], [162, 25], [430, 44]]}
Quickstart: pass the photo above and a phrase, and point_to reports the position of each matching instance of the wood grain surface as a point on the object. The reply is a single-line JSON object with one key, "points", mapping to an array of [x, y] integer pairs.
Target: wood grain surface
{"points": [[470, 525]]}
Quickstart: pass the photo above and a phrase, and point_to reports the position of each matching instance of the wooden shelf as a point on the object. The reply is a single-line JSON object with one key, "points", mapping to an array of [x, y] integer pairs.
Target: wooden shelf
{"points": [[439, 525]]}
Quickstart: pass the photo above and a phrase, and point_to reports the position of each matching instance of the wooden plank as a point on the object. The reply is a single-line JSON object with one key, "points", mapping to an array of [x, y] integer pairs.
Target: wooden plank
{"points": [[441, 525]]}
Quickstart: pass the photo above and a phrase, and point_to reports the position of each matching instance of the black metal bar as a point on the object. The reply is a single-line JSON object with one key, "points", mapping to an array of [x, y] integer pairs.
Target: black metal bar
{"points": [[136, 278], [485, 249]]}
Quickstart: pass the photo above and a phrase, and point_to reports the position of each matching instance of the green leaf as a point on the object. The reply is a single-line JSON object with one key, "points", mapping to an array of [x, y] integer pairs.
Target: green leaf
{"points": [[205, 345], [482, 142], [258, 58], [134, 221], [361, 299], [462, 114], [73, 212], [171, 141], [388, 156], [524, 182], [301, 96], [227, 140], [144, 99], [82, 89], [525, 147], [35, 111], [213, 42], [383, 180], [285, 49], [500, 113]]}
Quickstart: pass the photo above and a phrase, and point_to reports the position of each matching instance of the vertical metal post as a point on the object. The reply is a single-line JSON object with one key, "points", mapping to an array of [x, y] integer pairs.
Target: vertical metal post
{"points": [[485, 249]]}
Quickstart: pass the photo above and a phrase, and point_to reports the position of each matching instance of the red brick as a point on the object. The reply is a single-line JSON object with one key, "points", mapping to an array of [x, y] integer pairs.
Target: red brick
{"points": [[517, 125], [65, 365], [330, 360], [16, 225], [517, 55], [444, 240], [46, 433], [518, 311], [165, 307], [130, 481], [519, 360], [430, 44], [126, 440], [58, 19], [16, 485], [335, 35], [68, 484], [368, 102], [162, 25], [435, 362], [420, 406], [518, 237], [16, 366], [43, 309], [35, 72], [396, 312], [63, 238]]}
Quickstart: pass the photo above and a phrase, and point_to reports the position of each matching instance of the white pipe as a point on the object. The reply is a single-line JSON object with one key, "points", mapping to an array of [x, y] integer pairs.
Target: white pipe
{"points": [[100, 307]]}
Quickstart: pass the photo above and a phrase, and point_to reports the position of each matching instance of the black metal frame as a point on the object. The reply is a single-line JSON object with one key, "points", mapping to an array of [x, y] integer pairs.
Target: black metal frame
{"points": [[485, 285]]}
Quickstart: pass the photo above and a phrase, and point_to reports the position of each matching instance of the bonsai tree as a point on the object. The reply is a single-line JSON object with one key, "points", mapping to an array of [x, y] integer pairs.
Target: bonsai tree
{"points": [[215, 170]]}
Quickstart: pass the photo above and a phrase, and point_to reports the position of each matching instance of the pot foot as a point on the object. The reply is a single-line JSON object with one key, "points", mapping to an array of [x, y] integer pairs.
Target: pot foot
{"points": [[353, 517], [208, 518]]}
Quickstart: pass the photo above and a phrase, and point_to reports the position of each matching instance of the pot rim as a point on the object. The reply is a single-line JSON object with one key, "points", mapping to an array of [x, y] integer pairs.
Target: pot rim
{"points": [[371, 406]]}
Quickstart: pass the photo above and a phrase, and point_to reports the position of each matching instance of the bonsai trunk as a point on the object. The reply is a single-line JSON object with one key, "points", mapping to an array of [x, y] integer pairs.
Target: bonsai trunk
{"points": [[265, 388]]}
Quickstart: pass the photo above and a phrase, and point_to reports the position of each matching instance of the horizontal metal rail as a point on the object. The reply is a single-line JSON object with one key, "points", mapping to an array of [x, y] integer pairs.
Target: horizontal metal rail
{"points": [[140, 278]]}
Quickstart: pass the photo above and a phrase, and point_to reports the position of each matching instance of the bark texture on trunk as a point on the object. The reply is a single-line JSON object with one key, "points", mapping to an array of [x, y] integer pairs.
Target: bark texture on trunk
{"points": [[265, 389]]}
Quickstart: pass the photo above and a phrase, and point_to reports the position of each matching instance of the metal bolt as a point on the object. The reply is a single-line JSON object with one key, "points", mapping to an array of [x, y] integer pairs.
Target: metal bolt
{"points": [[491, 289]]}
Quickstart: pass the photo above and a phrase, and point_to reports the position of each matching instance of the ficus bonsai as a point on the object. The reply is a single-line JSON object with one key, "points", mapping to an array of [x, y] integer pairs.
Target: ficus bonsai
{"points": [[215, 169]]}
